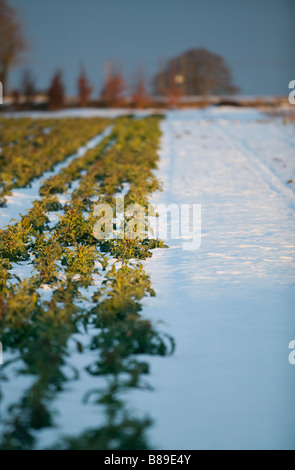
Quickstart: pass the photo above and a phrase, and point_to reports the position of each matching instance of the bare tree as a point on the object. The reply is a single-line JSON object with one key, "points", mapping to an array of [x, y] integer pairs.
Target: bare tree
{"points": [[84, 88], [112, 93], [12, 41], [198, 72], [173, 90], [173, 93], [15, 95], [56, 92], [28, 86], [140, 97]]}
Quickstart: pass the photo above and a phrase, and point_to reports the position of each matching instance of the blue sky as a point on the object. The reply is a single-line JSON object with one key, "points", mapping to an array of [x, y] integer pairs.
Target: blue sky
{"points": [[256, 37]]}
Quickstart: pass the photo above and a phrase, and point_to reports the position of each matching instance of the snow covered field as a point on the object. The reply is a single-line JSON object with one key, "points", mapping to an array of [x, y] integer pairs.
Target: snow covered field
{"points": [[229, 305]]}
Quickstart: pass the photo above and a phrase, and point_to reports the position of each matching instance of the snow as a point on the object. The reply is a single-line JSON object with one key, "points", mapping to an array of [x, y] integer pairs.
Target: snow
{"points": [[80, 112], [229, 305]]}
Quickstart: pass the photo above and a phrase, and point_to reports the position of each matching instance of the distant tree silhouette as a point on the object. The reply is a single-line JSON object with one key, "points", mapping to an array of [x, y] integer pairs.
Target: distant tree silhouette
{"points": [[173, 89], [173, 93], [28, 86], [84, 88], [56, 92], [197, 72], [15, 94], [112, 93], [140, 97], [12, 40]]}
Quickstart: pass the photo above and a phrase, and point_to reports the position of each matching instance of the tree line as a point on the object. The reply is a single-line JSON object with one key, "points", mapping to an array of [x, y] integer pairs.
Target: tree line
{"points": [[113, 93], [197, 72]]}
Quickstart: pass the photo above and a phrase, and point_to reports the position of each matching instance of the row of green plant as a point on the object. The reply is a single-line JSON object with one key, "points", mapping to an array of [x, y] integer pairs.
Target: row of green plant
{"points": [[29, 147], [67, 257], [131, 159]]}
